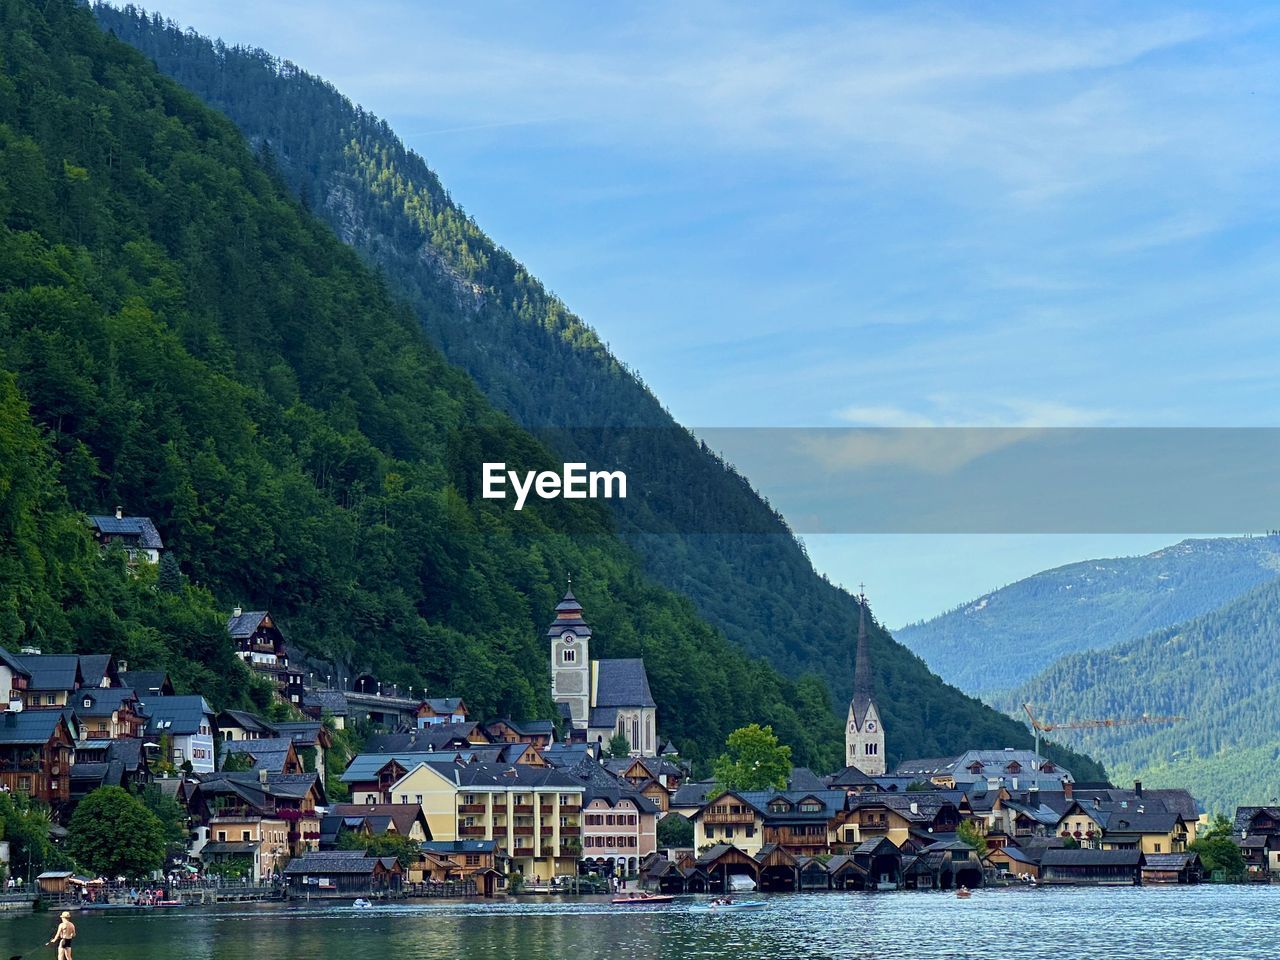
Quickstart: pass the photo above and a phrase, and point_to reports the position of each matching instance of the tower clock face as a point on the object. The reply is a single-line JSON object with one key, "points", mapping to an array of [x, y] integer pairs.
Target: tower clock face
{"points": [[871, 726], [568, 638]]}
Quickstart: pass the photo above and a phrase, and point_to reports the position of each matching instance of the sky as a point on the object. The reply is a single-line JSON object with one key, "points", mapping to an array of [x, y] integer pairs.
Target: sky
{"points": [[917, 214]]}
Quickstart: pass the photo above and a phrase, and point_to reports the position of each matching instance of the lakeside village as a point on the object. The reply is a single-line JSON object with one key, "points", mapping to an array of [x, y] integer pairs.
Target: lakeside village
{"points": [[440, 803]]}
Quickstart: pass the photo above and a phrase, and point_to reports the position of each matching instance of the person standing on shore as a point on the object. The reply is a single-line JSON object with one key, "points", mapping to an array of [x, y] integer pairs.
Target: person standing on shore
{"points": [[63, 936]]}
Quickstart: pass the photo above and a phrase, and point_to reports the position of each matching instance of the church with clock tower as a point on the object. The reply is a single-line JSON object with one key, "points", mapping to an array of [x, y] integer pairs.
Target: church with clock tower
{"points": [[863, 734], [598, 699]]}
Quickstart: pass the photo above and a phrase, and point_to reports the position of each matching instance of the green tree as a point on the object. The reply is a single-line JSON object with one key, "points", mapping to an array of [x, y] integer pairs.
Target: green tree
{"points": [[755, 760], [968, 832], [25, 825], [113, 834], [675, 831], [1218, 850], [619, 747]]}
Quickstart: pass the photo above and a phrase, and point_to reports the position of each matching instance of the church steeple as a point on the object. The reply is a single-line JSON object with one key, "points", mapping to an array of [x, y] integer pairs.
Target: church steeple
{"points": [[863, 736]]}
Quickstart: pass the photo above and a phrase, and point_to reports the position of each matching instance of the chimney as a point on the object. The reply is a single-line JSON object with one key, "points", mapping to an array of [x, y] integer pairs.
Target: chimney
{"points": [[915, 807], [119, 513], [1137, 788], [237, 611], [122, 666], [262, 776], [1067, 789]]}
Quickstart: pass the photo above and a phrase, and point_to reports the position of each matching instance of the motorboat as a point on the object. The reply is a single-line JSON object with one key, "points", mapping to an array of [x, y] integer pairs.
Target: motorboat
{"points": [[717, 906], [362, 904], [642, 900]]}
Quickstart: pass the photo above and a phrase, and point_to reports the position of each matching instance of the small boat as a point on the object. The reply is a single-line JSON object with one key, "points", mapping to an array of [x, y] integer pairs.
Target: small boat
{"points": [[168, 904], [714, 907], [963, 893], [640, 901], [362, 904]]}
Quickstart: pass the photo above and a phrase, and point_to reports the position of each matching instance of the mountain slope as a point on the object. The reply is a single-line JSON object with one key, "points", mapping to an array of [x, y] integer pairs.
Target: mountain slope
{"points": [[699, 528], [1220, 671], [1007, 636], [192, 344]]}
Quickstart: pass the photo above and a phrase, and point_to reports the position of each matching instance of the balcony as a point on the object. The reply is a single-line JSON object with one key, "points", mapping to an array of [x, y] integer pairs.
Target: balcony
{"points": [[471, 808], [745, 816], [570, 831], [522, 831], [524, 808], [548, 831], [471, 831], [570, 808]]}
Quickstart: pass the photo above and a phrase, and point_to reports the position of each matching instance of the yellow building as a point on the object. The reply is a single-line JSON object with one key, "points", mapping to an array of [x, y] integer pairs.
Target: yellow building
{"points": [[534, 814], [729, 819]]}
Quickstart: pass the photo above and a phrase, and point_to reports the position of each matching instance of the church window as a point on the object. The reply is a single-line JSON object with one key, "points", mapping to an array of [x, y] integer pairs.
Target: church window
{"points": [[568, 656], [872, 749]]}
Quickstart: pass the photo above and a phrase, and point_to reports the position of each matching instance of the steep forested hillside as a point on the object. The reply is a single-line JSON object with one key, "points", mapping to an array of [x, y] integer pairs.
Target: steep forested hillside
{"points": [[699, 526], [1006, 637], [179, 336], [1220, 671]]}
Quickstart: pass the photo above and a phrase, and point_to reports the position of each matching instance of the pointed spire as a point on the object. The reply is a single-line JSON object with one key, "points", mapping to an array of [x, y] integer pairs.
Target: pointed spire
{"points": [[862, 661]]}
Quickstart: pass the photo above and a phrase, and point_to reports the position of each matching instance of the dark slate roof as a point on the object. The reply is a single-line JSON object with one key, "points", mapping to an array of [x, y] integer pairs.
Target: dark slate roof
{"points": [[622, 683], [242, 627], [1017, 853], [435, 736], [104, 701], [141, 527], [365, 766], [268, 754], [145, 681], [301, 732], [851, 777], [802, 778], [505, 775], [1169, 861], [13, 663], [334, 701], [229, 847], [94, 667], [443, 704], [176, 715], [98, 774], [28, 726], [331, 862], [1083, 857], [245, 720], [692, 793], [569, 618], [52, 671], [603, 785], [460, 846], [1131, 821], [831, 801], [1245, 815], [567, 754], [528, 728], [402, 815]]}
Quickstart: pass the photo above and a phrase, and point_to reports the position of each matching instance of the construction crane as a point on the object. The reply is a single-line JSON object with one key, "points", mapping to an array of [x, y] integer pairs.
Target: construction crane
{"points": [[1038, 726]]}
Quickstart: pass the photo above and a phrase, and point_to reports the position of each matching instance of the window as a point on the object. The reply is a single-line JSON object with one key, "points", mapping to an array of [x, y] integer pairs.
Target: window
{"points": [[872, 749], [222, 836], [244, 834], [404, 798], [417, 798], [88, 702], [568, 656], [728, 832], [53, 785], [51, 700], [473, 859], [751, 829], [1157, 848]]}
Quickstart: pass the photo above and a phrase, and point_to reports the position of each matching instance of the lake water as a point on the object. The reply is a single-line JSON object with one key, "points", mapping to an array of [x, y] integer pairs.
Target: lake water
{"points": [[1128, 923]]}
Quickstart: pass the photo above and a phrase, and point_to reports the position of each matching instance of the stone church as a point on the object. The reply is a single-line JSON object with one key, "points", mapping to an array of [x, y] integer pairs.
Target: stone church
{"points": [[864, 734], [598, 698]]}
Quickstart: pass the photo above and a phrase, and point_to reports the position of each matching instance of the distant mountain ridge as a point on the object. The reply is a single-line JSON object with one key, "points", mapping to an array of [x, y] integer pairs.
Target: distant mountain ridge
{"points": [[1219, 670], [1006, 637]]}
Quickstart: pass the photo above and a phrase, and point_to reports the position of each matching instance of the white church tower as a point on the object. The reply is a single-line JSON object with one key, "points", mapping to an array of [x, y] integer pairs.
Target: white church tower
{"points": [[863, 735], [571, 661]]}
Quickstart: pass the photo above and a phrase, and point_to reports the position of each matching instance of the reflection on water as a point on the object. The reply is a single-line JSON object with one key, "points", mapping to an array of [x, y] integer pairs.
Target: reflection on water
{"points": [[1133, 924]]}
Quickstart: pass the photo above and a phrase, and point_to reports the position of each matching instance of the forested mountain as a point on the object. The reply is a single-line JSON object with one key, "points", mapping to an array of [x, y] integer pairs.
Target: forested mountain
{"points": [[699, 527], [178, 335], [1220, 671], [1005, 637]]}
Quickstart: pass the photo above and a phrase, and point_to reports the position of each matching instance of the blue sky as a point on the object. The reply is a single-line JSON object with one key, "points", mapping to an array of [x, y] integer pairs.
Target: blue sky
{"points": [[841, 214]]}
